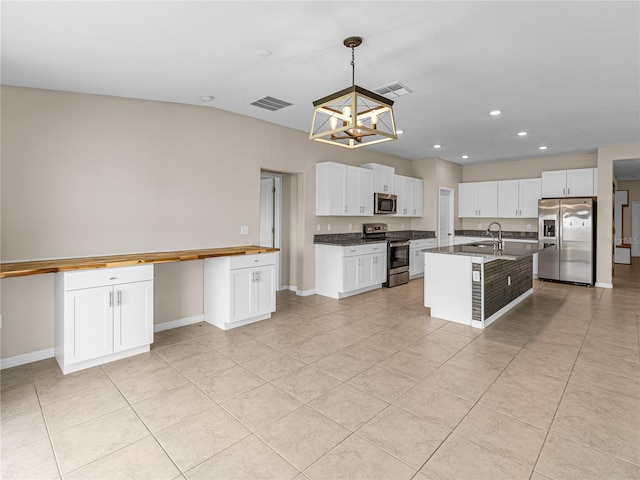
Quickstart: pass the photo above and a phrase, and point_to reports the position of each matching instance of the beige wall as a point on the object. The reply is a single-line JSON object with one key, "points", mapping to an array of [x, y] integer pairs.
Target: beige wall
{"points": [[633, 188], [606, 157], [526, 168], [93, 175]]}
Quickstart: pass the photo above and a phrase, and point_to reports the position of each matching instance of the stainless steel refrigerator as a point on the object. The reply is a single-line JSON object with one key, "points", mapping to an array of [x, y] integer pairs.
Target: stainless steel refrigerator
{"points": [[567, 226]]}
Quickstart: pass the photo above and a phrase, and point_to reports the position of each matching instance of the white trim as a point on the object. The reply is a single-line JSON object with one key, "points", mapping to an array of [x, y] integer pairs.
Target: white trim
{"points": [[306, 293], [604, 284], [277, 217], [94, 362], [181, 322], [452, 219], [26, 358], [292, 288]]}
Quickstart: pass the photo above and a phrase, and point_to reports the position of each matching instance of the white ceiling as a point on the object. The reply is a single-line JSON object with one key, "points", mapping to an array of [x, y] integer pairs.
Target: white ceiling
{"points": [[566, 72]]}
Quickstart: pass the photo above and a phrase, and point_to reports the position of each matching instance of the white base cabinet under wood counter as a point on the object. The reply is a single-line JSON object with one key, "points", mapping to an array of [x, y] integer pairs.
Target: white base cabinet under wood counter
{"points": [[239, 290], [102, 315], [343, 271]]}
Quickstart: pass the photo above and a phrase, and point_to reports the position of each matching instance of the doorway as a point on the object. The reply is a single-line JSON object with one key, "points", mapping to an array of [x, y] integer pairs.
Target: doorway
{"points": [[271, 216], [446, 233]]}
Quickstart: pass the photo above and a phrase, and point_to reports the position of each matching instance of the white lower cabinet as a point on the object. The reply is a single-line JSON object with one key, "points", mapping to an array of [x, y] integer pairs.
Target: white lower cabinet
{"points": [[102, 315], [345, 271], [416, 256], [239, 290]]}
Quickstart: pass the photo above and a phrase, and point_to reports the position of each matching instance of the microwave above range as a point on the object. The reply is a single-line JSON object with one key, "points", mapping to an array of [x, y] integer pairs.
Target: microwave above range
{"points": [[385, 203]]}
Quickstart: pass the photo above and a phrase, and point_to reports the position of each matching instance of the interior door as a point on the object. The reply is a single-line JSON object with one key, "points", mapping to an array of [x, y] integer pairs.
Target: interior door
{"points": [[445, 229], [267, 229]]}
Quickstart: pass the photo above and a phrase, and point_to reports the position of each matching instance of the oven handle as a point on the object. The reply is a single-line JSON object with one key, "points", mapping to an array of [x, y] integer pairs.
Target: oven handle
{"points": [[399, 244]]}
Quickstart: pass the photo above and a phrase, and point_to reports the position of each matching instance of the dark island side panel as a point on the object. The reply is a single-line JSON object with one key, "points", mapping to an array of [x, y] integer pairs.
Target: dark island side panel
{"points": [[497, 292]]}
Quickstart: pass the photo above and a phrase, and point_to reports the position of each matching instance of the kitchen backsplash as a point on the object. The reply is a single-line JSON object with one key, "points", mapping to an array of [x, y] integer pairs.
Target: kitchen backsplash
{"points": [[505, 234]]}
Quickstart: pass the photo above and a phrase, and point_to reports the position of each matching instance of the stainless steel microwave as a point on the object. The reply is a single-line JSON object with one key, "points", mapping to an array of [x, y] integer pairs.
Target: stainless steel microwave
{"points": [[385, 203]]}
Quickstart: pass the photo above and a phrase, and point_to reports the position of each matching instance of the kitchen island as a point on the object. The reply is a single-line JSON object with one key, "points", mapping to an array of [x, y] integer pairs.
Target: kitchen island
{"points": [[476, 283]]}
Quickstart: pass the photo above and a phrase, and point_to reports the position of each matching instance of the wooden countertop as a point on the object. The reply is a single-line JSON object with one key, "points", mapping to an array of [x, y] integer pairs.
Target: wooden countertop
{"points": [[21, 269]]}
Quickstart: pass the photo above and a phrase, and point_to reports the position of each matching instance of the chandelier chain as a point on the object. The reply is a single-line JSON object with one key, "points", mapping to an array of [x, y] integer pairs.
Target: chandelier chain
{"points": [[353, 64]]}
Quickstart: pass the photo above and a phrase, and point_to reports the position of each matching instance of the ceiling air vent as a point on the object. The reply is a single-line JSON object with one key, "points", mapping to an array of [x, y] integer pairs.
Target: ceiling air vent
{"points": [[393, 90], [270, 103]]}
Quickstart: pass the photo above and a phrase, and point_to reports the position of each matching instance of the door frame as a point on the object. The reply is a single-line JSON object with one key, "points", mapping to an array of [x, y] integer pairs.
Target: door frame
{"points": [[635, 228], [277, 219], [452, 194]]}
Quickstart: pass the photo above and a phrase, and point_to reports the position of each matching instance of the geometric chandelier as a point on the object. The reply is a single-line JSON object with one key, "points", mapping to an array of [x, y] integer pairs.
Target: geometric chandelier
{"points": [[353, 117]]}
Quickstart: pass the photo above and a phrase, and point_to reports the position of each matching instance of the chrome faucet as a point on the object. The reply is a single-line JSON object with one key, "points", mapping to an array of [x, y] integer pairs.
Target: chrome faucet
{"points": [[499, 244]]}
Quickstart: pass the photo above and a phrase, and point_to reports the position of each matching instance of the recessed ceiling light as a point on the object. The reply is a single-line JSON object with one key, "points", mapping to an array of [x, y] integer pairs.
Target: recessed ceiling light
{"points": [[437, 146], [494, 113], [465, 156], [264, 53], [399, 132], [207, 98], [522, 134], [542, 147]]}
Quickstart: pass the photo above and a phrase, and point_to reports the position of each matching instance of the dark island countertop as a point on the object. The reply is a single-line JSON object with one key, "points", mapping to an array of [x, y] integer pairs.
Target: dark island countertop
{"points": [[486, 250]]}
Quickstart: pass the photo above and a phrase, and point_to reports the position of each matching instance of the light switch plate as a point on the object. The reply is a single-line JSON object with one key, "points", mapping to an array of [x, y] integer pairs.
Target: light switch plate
{"points": [[528, 226], [328, 227], [244, 230], [476, 276], [318, 227]]}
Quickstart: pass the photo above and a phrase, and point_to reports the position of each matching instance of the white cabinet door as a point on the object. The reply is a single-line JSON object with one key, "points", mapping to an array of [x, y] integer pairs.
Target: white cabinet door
{"points": [[416, 262], [467, 199], [350, 273], [365, 271], [488, 199], [554, 184], [418, 208], [529, 194], [508, 199], [365, 192], [352, 202], [383, 177], [404, 192], [580, 182], [89, 317], [379, 268], [331, 184], [241, 294], [133, 315], [264, 291]]}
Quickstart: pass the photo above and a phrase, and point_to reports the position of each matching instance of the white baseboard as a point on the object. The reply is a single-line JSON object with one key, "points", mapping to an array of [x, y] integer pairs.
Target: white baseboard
{"points": [[181, 322], [26, 358], [604, 284], [292, 288], [306, 293]]}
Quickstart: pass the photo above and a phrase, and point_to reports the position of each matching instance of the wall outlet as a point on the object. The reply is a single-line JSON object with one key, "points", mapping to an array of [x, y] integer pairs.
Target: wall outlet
{"points": [[319, 228], [509, 280], [350, 226], [479, 226], [403, 226], [328, 227], [528, 226], [244, 230], [0, 320], [476, 276]]}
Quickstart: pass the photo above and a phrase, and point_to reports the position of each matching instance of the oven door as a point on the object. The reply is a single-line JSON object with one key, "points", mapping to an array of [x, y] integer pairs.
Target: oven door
{"points": [[398, 257]]}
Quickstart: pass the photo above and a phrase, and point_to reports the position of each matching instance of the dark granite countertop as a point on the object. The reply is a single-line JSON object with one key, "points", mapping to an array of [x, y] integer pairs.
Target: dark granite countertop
{"points": [[349, 239], [486, 250]]}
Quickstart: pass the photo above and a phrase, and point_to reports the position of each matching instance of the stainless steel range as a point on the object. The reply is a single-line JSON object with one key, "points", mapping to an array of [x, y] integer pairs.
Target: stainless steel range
{"points": [[397, 252]]}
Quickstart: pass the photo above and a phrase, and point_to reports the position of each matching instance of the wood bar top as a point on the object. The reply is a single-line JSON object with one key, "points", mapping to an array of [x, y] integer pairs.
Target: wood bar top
{"points": [[21, 269]]}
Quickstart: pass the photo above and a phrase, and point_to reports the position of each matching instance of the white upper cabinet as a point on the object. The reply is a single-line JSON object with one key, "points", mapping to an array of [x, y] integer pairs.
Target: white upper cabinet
{"points": [[519, 198], [343, 190], [383, 177], [409, 192], [478, 199], [578, 182]]}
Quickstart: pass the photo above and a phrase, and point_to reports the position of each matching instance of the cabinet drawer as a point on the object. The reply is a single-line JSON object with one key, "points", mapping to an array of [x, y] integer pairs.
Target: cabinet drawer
{"points": [[426, 243], [257, 260], [351, 251], [106, 276], [373, 248]]}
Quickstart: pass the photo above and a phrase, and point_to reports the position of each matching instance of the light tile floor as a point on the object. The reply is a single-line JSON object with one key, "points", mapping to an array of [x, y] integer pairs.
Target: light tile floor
{"points": [[369, 387]]}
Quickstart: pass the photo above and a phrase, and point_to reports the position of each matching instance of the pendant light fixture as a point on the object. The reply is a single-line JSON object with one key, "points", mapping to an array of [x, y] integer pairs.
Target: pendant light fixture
{"points": [[353, 117]]}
